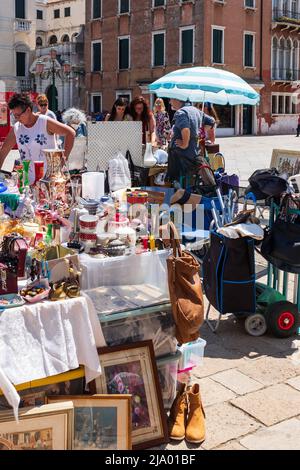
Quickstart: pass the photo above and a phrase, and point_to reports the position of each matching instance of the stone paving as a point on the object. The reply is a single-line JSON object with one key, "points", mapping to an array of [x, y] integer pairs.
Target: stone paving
{"points": [[250, 386]]}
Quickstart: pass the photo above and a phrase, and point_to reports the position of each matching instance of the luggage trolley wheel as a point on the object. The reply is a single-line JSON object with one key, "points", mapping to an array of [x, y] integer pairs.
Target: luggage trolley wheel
{"points": [[282, 318], [255, 324]]}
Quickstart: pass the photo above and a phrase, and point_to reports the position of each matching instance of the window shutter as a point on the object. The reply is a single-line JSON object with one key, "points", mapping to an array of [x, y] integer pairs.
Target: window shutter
{"points": [[20, 9], [97, 57], [187, 46], [21, 62], [159, 53], [123, 53], [96, 8], [248, 50], [217, 46]]}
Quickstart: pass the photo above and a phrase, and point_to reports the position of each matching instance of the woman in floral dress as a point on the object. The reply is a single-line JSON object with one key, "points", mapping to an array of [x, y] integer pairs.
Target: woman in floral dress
{"points": [[163, 126]]}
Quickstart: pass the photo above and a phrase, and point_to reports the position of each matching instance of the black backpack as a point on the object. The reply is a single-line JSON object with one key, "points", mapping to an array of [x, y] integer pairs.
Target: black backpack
{"points": [[267, 183]]}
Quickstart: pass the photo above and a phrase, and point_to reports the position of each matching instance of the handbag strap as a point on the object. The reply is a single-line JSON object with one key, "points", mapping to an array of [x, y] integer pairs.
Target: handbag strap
{"points": [[174, 238]]}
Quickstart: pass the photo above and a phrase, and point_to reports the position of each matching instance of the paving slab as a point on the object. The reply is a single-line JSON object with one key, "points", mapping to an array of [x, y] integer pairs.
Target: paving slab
{"points": [[237, 382], [224, 423], [270, 370], [213, 392], [282, 436], [231, 445], [295, 382], [270, 405], [216, 359]]}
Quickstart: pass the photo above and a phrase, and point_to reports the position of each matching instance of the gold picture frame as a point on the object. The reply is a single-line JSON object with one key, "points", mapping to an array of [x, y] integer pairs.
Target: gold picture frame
{"points": [[286, 161], [101, 422], [131, 368], [48, 427]]}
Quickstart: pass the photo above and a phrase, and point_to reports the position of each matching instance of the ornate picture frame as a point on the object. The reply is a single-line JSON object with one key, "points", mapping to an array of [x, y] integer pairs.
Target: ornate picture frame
{"points": [[131, 368], [47, 427], [101, 422]]}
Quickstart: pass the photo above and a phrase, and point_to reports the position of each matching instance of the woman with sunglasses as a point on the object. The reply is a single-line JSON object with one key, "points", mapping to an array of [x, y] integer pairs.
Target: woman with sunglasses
{"points": [[43, 107], [33, 133]]}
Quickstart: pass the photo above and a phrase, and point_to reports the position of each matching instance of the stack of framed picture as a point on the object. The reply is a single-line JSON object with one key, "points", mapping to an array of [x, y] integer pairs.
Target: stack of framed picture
{"points": [[122, 410]]}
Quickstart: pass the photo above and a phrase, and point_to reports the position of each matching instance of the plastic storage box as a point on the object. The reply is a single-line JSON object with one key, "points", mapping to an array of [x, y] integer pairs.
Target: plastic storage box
{"points": [[167, 374], [192, 354], [154, 323]]}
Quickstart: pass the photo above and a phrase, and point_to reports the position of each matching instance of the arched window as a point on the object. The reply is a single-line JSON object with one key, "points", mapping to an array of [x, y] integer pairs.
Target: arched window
{"points": [[38, 42], [53, 39], [275, 58], [74, 36], [65, 38]]}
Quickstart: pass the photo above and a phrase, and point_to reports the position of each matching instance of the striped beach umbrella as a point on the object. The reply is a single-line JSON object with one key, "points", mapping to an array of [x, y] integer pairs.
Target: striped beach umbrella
{"points": [[198, 84]]}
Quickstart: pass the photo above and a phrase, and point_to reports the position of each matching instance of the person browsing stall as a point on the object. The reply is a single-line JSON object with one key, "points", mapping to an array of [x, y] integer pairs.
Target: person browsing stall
{"points": [[184, 149], [140, 111], [43, 107], [119, 112], [33, 132]]}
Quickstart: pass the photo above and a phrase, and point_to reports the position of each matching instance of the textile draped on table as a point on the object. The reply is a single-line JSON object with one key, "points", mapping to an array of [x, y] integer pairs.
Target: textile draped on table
{"points": [[48, 338]]}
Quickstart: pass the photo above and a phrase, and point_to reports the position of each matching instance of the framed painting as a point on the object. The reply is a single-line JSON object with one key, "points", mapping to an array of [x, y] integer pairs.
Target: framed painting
{"points": [[286, 161], [131, 369], [101, 422], [48, 427], [35, 393]]}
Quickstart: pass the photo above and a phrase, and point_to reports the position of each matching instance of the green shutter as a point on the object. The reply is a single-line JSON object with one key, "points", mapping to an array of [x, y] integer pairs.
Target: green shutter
{"points": [[159, 50], [187, 37], [217, 46], [21, 63], [248, 50], [123, 53], [96, 8], [97, 57], [124, 6], [19, 9]]}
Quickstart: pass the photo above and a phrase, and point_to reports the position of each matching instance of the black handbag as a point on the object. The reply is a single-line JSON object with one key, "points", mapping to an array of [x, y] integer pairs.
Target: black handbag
{"points": [[229, 274], [139, 175], [281, 245]]}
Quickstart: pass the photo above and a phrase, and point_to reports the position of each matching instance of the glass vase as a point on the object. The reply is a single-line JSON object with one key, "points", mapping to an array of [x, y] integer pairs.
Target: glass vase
{"points": [[26, 164]]}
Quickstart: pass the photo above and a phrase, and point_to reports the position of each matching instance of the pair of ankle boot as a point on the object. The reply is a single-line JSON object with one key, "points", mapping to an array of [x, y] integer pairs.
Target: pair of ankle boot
{"points": [[187, 417]]}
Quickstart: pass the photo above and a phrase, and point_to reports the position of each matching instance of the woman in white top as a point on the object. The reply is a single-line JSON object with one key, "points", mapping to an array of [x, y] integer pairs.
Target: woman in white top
{"points": [[33, 133]]}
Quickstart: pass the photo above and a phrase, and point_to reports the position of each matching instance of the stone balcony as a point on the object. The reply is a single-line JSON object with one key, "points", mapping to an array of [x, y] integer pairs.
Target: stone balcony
{"points": [[23, 26]]}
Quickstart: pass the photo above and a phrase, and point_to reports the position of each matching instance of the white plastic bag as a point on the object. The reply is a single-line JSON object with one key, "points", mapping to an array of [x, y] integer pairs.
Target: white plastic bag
{"points": [[118, 173]]}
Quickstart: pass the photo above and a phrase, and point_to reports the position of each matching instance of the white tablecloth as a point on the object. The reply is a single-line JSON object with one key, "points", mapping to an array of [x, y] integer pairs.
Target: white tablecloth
{"points": [[49, 338]]}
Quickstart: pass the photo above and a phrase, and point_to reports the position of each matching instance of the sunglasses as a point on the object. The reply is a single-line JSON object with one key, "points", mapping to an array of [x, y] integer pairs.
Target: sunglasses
{"points": [[43, 105], [17, 116]]}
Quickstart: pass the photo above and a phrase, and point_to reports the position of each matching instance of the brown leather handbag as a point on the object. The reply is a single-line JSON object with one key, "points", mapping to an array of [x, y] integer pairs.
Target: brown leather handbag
{"points": [[185, 291]]}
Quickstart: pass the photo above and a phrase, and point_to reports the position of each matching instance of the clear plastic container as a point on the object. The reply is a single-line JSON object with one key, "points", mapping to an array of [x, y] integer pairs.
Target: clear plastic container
{"points": [[167, 375], [155, 323], [192, 354]]}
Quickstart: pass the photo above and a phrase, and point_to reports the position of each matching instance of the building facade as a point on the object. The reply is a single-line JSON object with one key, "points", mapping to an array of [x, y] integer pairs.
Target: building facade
{"points": [[131, 43], [60, 29], [285, 65], [17, 43]]}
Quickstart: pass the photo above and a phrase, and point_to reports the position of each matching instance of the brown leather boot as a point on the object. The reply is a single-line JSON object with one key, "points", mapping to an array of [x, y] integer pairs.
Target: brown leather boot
{"points": [[178, 414], [195, 427]]}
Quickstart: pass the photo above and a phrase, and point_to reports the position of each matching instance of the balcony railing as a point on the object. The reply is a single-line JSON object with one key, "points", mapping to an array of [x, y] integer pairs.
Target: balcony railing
{"points": [[23, 26], [287, 75]]}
